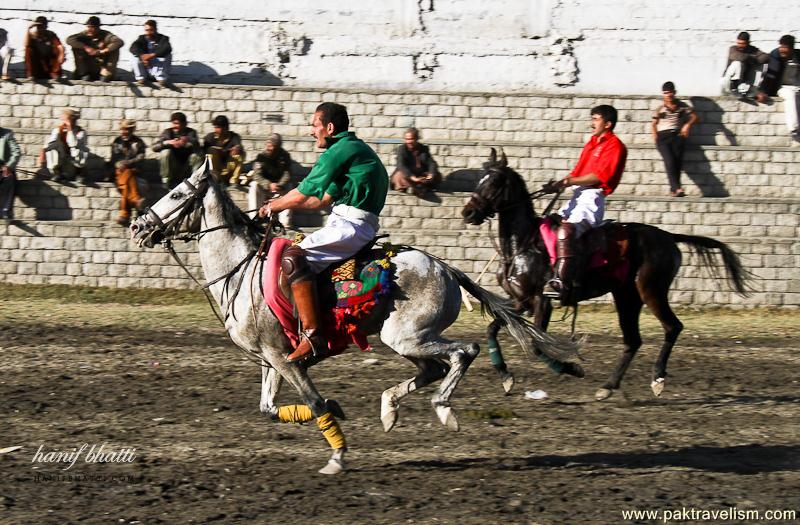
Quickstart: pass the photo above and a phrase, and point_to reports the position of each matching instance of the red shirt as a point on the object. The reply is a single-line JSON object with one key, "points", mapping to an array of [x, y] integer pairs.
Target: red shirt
{"points": [[605, 157]]}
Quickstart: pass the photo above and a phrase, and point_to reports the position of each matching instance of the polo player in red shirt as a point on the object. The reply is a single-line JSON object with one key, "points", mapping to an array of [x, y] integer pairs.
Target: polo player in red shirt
{"points": [[597, 174]]}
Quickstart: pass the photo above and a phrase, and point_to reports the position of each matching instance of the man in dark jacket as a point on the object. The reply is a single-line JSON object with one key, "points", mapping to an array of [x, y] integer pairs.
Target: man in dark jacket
{"points": [[226, 150], [416, 169], [179, 151], [271, 175], [127, 155], [744, 61], [10, 154], [96, 52], [783, 79], [152, 55]]}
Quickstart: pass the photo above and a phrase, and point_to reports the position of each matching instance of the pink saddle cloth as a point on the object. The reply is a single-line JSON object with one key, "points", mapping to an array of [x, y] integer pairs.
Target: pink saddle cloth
{"points": [[338, 334], [598, 259]]}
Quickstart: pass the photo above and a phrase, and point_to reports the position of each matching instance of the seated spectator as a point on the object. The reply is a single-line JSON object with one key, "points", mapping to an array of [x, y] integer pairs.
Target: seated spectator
{"points": [[6, 52], [783, 79], [66, 150], [179, 151], [127, 154], [743, 69], [225, 148], [10, 154], [416, 169], [44, 53], [672, 121], [152, 56], [270, 176], [96, 52]]}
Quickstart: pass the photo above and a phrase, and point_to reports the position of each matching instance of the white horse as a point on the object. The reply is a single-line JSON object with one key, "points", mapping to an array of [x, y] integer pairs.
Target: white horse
{"points": [[426, 300]]}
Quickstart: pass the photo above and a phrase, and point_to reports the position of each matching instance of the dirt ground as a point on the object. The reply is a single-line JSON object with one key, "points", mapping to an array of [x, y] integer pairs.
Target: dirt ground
{"points": [[163, 379]]}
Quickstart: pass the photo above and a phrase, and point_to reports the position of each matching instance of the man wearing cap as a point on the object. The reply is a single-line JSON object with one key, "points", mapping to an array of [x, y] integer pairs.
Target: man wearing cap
{"points": [[349, 175], [178, 149], [66, 149], [96, 52], [127, 154], [226, 150], [6, 52], [152, 55], [44, 52], [271, 175], [10, 154], [744, 63]]}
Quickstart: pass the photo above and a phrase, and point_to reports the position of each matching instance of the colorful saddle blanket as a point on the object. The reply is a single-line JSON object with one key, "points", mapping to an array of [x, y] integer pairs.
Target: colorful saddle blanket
{"points": [[604, 248], [355, 296]]}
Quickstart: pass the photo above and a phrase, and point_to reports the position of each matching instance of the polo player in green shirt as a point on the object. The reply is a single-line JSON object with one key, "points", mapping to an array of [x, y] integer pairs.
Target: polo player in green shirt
{"points": [[350, 176]]}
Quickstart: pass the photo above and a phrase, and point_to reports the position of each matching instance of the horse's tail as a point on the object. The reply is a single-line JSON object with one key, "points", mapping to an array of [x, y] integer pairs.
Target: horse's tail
{"points": [[737, 276], [525, 332]]}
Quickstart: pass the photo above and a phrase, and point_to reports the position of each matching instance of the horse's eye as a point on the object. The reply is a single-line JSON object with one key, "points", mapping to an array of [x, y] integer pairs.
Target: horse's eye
{"points": [[176, 195]]}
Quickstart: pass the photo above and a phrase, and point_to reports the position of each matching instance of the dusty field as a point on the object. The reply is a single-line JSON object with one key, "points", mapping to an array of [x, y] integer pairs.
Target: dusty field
{"points": [[162, 379]]}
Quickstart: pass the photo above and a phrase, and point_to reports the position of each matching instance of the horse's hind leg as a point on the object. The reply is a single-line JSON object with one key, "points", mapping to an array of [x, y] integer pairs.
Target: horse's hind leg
{"points": [[629, 306], [658, 303], [430, 370], [461, 356], [496, 355]]}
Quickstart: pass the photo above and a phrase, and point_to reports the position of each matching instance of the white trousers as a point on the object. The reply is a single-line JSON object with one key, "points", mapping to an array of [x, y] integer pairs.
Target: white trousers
{"points": [[159, 68], [585, 209], [5, 55], [791, 105], [736, 73], [60, 158], [347, 231]]}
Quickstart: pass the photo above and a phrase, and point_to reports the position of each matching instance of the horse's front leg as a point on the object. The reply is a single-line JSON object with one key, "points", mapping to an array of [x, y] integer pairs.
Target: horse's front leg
{"points": [[542, 310], [271, 383], [496, 355]]}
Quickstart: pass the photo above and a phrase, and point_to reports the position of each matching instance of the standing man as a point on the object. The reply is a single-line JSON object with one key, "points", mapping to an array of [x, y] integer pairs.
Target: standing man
{"points": [[672, 121], [416, 168], [127, 154], [597, 174], [66, 150], [10, 154], [178, 149], [96, 52], [743, 63], [152, 56], [226, 150], [44, 52], [350, 176], [783, 79]]}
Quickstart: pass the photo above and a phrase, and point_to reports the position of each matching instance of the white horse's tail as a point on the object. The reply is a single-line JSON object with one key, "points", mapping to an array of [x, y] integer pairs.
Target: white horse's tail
{"points": [[525, 332]]}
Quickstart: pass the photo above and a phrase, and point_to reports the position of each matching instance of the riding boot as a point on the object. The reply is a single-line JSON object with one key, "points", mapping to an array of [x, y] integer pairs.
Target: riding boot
{"points": [[304, 289], [560, 286]]}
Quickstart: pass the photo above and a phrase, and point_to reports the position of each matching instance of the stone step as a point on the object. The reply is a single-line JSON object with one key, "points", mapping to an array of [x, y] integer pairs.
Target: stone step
{"points": [[733, 216], [710, 171], [93, 253], [260, 110]]}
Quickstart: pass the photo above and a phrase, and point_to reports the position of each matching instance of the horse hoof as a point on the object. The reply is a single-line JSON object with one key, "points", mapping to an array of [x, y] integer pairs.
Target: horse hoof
{"points": [[508, 382], [658, 386], [575, 370], [603, 393], [334, 466], [335, 408], [388, 412], [448, 418]]}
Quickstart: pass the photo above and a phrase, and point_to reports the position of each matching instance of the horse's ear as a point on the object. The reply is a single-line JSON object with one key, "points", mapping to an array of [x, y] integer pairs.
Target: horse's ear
{"points": [[503, 158], [493, 156]]}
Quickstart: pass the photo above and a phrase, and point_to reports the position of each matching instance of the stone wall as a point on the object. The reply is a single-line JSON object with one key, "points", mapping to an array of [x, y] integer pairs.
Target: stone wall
{"points": [[741, 175], [582, 46]]}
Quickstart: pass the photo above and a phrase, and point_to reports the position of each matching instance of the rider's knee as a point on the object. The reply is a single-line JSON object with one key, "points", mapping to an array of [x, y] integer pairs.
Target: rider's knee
{"points": [[566, 230], [295, 265]]}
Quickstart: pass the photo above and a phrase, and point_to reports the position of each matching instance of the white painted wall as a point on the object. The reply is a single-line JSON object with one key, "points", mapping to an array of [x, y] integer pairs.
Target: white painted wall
{"points": [[578, 46]]}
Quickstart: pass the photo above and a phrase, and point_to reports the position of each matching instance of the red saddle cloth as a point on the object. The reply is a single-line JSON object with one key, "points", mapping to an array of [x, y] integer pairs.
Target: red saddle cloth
{"points": [[339, 323], [607, 247]]}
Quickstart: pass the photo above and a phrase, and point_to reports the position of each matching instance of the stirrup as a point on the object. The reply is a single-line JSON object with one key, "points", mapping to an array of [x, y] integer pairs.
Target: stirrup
{"points": [[553, 288]]}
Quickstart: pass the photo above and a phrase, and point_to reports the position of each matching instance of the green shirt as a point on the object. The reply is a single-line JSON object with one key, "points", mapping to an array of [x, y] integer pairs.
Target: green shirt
{"points": [[350, 172]]}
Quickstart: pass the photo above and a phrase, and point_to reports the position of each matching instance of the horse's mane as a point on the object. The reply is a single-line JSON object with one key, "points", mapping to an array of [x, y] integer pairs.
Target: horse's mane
{"points": [[235, 217]]}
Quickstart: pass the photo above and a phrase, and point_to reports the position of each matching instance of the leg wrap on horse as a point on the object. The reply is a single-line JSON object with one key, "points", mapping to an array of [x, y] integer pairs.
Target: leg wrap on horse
{"points": [[294, 414], [331, 430], [495, 355]]}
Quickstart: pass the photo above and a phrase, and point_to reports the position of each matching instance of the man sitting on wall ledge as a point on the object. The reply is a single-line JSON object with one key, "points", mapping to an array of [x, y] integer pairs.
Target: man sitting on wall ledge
{"points": [[96, 52], [783, 79], [179, 148], [66, 151], [127, 154], [416, 168], [44, 52], [226, 150], [152, 56]]}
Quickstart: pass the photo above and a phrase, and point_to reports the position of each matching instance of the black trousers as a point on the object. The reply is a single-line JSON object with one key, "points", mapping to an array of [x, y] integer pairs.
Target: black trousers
{"points": [[670, 145], [7, 188]]}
